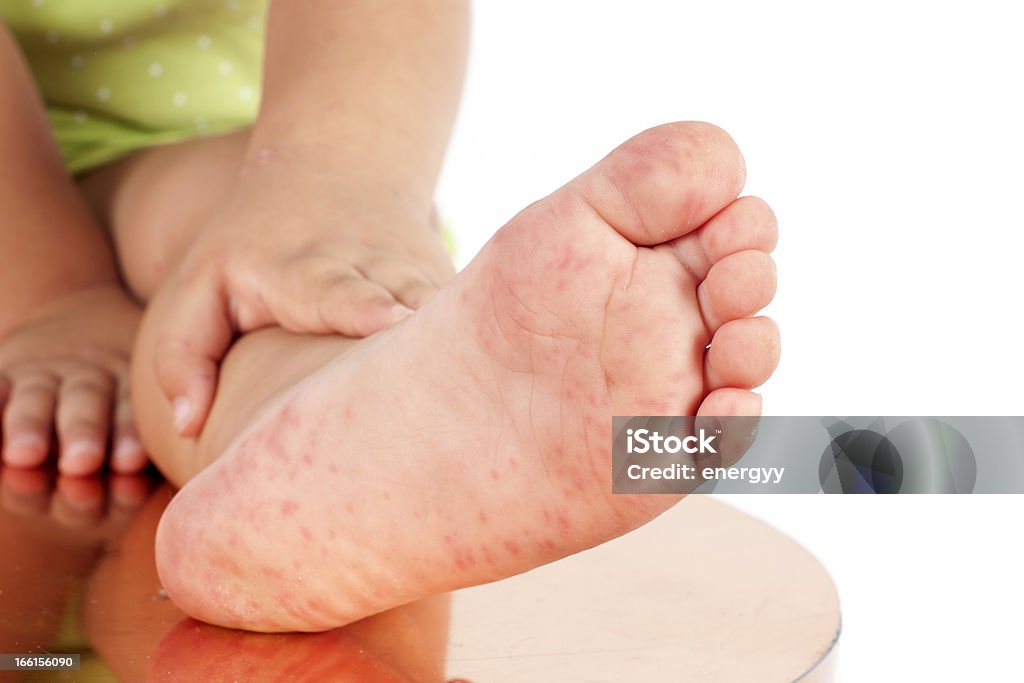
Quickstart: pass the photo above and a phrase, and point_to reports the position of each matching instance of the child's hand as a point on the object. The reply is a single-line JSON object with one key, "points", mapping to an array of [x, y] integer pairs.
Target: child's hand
{"points": [[65, 371], [311, 255]]}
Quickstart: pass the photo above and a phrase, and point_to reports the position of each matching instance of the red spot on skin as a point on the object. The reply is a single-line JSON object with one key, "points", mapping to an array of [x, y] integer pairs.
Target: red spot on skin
{"points": [[271, 572], [513, 463], [307, 459], [512, 547], [495, 475], [547, 515], [276, 447], [306, 533], [483, 518], [487, 555], [464, 560], [387, 496], [233, 541], [548, 544], [350, 508], [563, 524], [332, 468], [331, 535], [316, 606], [449, 539], [287, 415], [289, 508]]}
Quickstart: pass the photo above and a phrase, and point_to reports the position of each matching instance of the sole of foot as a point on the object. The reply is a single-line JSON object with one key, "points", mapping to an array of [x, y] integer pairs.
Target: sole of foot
{"points": [[472, 441]]}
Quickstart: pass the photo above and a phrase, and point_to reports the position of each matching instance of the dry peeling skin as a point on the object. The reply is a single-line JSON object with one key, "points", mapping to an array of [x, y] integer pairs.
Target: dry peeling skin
{"points": [[472, 441]]}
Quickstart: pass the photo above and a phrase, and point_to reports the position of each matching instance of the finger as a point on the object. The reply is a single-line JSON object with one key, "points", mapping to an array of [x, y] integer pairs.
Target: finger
{"points": [[28, 419], [743, 354], [83, 420], [127, 454], [195, 334], [737, 286], [407, 283], [348, 304]]}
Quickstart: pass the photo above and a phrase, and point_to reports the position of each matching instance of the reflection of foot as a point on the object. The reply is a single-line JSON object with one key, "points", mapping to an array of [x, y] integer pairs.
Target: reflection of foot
{"points": [[403, 645], [194, 651], [79, 512], [472, 441]]}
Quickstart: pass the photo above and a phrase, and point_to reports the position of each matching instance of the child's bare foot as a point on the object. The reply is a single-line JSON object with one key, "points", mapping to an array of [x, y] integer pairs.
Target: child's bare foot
{"points": [[472, 441], [65, 371]]}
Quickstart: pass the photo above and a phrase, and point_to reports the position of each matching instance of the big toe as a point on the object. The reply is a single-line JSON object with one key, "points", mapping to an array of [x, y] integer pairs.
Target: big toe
{"points": [[665, 182]]}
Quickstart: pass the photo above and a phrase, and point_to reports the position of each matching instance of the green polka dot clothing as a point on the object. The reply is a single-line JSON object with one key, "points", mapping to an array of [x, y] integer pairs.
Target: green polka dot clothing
{"points": [[120, 75]]}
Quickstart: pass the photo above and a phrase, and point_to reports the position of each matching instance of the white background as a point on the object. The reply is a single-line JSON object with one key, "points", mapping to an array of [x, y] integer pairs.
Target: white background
{"points": [[888, 138]]}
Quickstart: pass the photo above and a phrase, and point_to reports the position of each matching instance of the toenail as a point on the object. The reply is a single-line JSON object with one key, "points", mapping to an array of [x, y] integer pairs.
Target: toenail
{"points": [[79, 455], [126, 451], [27, 442]]}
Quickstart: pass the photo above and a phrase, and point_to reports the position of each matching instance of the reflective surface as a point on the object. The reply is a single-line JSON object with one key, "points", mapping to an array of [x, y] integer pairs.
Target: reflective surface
{"points": [[704, 593]]}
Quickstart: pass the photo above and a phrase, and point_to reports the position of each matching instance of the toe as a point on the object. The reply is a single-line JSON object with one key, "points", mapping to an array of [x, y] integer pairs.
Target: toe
{"points": [[127, 455], [747, 223], [730, 402], [665, 182], [737, 286], [83, 420], [28, 419], [743, 354]]}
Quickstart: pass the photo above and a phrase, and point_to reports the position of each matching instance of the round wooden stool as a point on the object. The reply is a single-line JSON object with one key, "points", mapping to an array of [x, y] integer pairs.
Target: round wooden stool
{"points": [[703, 593]]}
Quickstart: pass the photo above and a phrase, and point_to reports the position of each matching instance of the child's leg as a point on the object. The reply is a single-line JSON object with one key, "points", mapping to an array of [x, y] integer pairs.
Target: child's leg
{"points": [[66, 325], [472, 440]]}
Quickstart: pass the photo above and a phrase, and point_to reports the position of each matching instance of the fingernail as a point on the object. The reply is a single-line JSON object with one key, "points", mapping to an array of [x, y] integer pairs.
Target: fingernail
{"points": [[80, 457], [126, 453], [182, 413]]}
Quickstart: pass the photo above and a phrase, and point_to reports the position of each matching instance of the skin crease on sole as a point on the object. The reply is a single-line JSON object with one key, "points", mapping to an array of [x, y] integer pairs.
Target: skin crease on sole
{"points": [[471, 441]]}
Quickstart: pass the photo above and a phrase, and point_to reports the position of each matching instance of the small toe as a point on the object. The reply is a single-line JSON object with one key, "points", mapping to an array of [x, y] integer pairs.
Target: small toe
{"points": [[83, 421], [746, 224], [730, 402], [739, 285], [127, 454], [743, 354], [28, 419]]}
